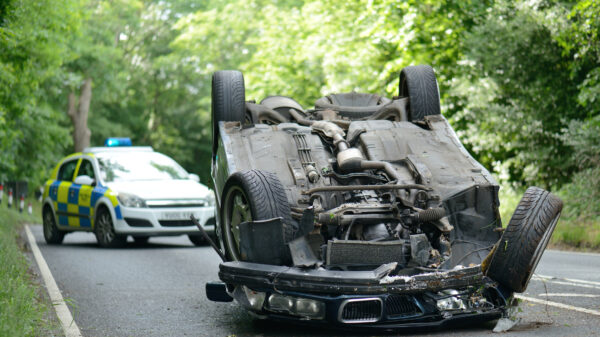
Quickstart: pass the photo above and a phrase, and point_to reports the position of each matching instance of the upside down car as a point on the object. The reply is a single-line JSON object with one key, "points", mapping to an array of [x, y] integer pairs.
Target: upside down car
{"points": [[364, 211]]}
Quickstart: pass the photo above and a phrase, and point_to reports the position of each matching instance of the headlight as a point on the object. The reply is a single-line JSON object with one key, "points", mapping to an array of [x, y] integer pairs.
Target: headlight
{"points": [[131, 200], [210, 199], [296, 306], [450, 301]]}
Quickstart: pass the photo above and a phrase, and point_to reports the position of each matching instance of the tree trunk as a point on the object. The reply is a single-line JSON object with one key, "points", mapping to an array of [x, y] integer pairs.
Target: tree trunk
{"points": [[79, 115]]}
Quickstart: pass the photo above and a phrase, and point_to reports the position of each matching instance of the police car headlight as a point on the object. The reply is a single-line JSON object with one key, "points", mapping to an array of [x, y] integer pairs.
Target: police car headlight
{"points": [[210, 200], [131, 200]]}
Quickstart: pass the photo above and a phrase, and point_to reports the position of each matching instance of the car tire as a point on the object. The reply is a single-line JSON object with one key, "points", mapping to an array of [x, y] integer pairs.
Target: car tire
{"points": [[52, 234], [523, 242], [141, 240], [420, 85], [105, 231], [228, 99], [197, 239], [261, 197]]}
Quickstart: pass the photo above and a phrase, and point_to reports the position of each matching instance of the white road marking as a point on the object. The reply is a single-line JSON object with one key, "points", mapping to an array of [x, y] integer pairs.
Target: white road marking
{"points": [[566, 279], [570, 252], [558, 305], [62, 311], [565, 282], [568, 295]]}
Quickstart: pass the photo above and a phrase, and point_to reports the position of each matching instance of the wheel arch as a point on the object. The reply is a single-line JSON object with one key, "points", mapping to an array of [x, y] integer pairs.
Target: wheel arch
{"points": [[48, 202], [104, 202]]}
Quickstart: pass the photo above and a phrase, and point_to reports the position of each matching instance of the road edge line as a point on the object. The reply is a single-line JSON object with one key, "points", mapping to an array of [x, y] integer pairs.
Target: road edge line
{"points": [[558, 305], [62, 311]]}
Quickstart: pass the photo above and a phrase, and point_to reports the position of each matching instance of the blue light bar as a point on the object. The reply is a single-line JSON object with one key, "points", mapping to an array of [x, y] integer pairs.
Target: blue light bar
{"points": [[117, 142]]}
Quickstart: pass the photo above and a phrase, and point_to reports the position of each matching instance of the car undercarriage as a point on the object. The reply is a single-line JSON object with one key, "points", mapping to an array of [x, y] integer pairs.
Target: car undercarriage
{"points": [[364, 211]]}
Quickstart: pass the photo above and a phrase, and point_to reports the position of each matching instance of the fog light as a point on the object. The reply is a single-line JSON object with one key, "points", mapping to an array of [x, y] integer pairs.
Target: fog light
{"points": [[256, 299], [310, 308], [281, 303]]}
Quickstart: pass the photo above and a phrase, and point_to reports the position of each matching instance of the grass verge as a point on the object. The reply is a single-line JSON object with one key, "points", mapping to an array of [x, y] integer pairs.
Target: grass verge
{"points": [[22, 310], [579, 224]]}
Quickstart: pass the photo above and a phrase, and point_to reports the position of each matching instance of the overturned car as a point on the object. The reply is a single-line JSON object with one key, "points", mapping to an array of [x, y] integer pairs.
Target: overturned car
{"points": [[364, 211]]}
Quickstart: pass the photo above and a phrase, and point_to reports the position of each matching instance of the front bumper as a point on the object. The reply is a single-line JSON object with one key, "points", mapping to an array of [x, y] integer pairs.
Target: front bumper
{"points": [[164, 221], [369, 299]]}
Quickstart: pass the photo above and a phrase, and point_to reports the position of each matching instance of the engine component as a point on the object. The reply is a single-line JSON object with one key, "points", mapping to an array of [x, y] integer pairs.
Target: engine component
{"points": [[305, 156], [363, 253], [349, 159], [302, 254], [431, 214], [375, 232], [420, 249]]}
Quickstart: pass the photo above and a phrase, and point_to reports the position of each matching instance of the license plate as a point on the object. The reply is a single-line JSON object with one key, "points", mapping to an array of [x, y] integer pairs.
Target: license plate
{"points": [[177, 216]]}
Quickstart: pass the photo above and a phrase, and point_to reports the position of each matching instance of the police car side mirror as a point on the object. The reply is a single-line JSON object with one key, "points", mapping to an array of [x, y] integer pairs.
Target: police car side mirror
{"points": [[194, 177], [85, 180]]}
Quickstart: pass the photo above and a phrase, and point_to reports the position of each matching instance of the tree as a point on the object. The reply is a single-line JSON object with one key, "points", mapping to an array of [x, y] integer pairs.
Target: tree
{"points": [[33, 46], [78, 112]]}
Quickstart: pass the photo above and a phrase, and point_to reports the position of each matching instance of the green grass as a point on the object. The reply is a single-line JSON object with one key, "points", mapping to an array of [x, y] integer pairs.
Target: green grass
{"points": [[22, 311], [579, 225], [509, 199]]}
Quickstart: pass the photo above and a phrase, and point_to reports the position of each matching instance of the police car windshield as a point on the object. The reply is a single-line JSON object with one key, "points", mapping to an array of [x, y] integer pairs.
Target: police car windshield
{"points": [[127, 166]]}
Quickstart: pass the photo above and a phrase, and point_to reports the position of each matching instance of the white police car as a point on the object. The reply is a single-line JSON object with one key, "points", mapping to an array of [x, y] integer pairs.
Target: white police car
{"points": [[120, 190]]}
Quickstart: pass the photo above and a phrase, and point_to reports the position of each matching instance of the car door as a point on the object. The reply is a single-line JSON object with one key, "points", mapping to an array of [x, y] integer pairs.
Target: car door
{"points": [[65, 206], [85, 209]]}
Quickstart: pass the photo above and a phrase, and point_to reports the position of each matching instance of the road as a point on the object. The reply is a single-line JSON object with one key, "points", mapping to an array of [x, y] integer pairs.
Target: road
{"points": [[158, 290]]}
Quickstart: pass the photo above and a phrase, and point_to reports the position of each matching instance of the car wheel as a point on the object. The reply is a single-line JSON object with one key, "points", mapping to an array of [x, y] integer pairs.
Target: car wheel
{"points": [[228, 99], [105, 231], [523, 242], [52, 234], [141, 240], [197, 239], [253, 195], [420, 85]]}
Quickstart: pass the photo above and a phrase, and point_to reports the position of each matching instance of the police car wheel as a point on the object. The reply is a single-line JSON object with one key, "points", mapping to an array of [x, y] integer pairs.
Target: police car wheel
{"points": [[105, 231], [52, 234]]}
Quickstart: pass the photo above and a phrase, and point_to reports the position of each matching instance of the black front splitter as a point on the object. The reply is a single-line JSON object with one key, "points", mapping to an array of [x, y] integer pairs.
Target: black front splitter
{"points": [[413, 325], [255, 275]]}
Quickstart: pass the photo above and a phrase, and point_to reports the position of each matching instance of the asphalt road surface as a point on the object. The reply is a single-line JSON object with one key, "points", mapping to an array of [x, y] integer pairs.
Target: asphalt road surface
{"points": [[158, 290]]}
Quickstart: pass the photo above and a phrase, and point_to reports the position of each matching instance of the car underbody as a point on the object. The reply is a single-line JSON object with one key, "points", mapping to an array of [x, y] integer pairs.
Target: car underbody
{"points": [[364, 211]]}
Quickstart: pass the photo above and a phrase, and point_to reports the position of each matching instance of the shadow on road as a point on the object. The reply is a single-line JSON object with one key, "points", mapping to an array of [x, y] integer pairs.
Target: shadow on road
{"points": [[244, 324], [133, 245]]}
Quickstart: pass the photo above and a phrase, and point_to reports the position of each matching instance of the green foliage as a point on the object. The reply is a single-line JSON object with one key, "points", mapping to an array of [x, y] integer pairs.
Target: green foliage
{"points": [[519, 80], [509, 199], [579, 225], [32, 48], [580, 222], [530, 88]]}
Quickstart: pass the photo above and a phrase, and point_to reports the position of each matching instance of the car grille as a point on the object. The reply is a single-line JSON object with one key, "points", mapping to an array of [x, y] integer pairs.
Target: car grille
{"points": [[176, 223], [400, 305], [361, 310], [133, 222], [176, 205]]}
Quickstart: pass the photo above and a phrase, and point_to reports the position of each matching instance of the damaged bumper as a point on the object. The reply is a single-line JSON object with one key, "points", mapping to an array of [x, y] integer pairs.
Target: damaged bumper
{"points": [[364, 298]]}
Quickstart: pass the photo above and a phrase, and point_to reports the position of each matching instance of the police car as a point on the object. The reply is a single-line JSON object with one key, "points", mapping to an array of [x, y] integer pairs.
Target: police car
{"points": [[120, 190]]}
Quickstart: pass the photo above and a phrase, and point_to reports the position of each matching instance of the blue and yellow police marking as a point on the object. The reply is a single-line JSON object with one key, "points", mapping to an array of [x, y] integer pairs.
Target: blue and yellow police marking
{"points": [[75, 204]]}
